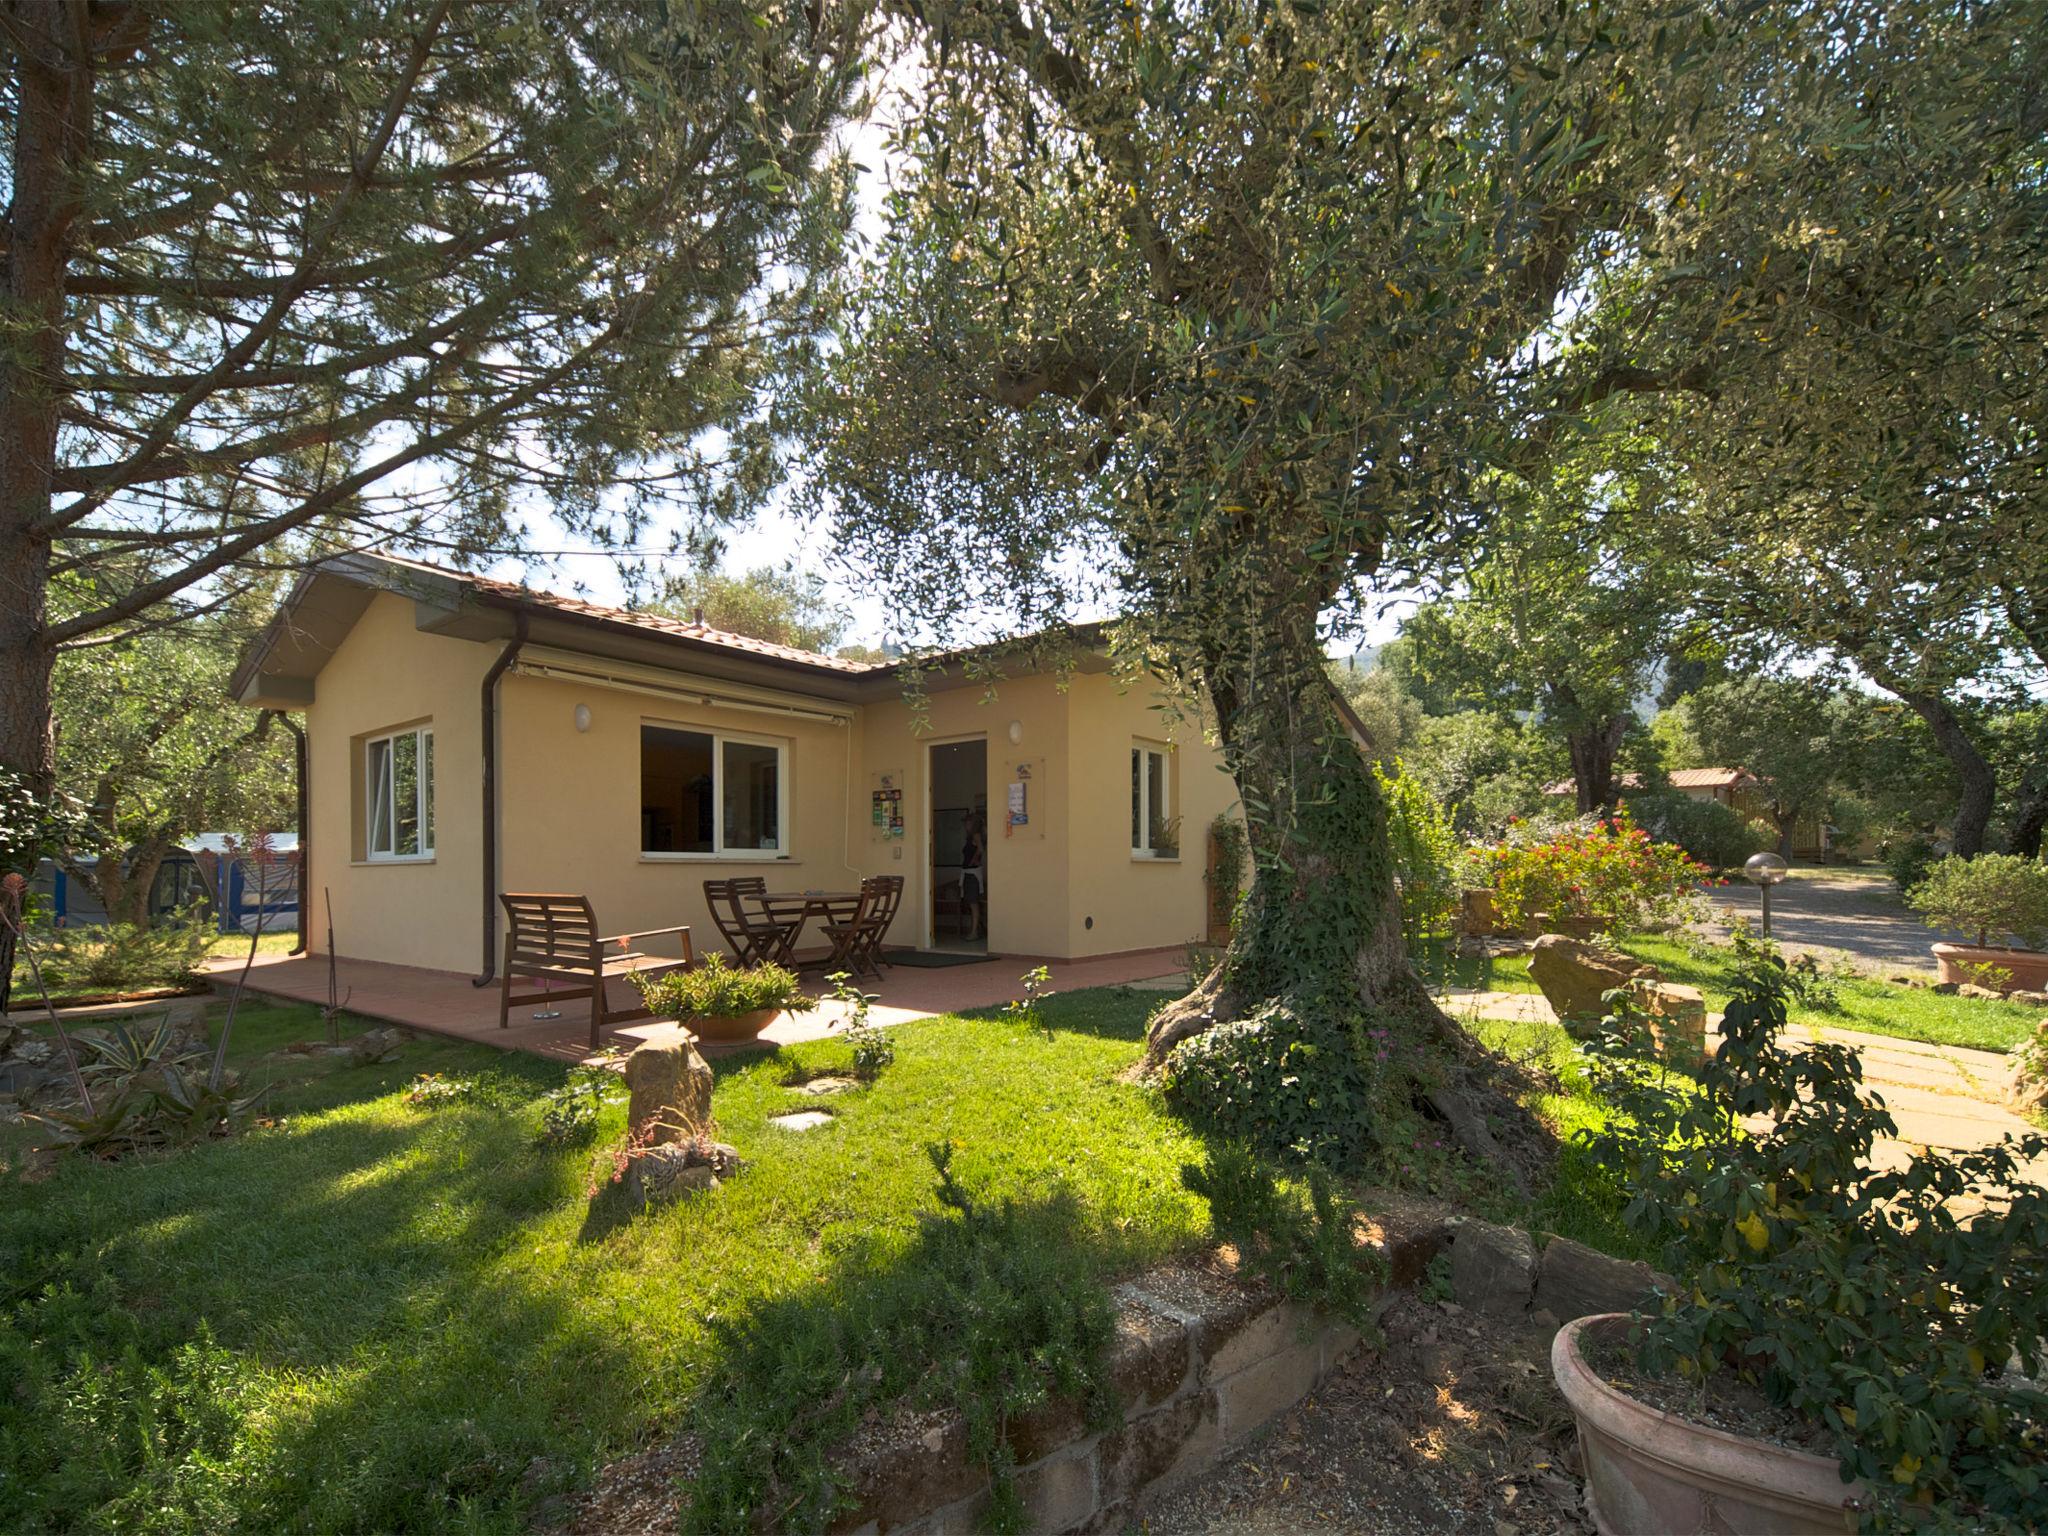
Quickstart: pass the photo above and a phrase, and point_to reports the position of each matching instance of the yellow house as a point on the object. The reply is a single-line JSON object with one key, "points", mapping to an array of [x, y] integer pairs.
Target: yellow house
{"points": [[467, 736]]}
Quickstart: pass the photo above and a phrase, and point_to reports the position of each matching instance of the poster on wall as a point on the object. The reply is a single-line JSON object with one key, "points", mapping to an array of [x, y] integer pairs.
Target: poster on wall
{"points": [[1024, 791], [885, 806]]}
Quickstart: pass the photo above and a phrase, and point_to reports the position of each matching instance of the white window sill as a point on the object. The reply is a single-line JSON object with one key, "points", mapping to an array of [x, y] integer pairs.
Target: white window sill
{"points": [[396, 858], [1155, 858], [717, 858]]}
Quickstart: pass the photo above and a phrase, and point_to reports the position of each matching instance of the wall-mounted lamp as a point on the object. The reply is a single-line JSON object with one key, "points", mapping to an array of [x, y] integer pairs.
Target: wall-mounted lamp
{"points": [[1016, 732], [582, 717]]}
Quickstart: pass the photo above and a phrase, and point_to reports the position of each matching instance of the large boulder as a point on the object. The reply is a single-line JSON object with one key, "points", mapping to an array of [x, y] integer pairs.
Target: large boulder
{"points": [[670, 1087], [1677, 1017], [1493, 1269], [2027, 1091], [1574, 974]]}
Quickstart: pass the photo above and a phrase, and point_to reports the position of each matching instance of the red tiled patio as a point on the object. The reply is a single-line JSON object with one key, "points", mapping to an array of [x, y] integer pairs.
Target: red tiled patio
{"points": [[445, 1003]]}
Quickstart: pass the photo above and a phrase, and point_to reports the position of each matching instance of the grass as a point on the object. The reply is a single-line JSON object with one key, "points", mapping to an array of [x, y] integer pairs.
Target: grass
{"points": [[375, 1317], [227, 946], [1865, 1003]]}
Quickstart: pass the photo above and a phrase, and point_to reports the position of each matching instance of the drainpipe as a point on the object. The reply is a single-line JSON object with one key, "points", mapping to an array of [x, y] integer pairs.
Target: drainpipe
{"points": [[490, 801], [303, 771]]}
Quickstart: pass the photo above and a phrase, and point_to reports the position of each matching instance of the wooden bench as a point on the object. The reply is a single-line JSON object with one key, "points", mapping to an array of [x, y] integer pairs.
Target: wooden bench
{"points": [[553, 939]]}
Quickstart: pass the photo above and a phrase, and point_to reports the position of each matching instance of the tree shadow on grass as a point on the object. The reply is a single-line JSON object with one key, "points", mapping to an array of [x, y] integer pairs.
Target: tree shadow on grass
{"points": [[315, 1328], [991, 1308]]}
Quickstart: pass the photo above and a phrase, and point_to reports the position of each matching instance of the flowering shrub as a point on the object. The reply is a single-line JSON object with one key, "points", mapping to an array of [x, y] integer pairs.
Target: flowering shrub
{"points": [[1606, 870]]}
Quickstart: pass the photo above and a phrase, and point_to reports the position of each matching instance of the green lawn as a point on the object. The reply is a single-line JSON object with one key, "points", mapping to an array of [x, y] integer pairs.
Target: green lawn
{"points": [[1864, 1003], [374, 1317]]}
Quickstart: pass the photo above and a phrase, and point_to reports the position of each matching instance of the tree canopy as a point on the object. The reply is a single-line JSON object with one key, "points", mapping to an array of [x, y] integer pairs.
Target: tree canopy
{"points": [[364, 274]]}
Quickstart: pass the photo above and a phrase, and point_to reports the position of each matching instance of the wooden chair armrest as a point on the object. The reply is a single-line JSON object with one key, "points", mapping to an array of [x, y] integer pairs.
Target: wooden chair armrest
{"points": [[645, 933]]}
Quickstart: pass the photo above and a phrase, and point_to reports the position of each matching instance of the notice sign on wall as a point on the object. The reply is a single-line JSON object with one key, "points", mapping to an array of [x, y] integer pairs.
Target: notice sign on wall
{"points": [[885, 806], [1024, 798]]}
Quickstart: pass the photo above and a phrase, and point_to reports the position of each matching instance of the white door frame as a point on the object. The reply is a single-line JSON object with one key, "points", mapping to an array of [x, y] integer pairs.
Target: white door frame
{"points": [[927, 924]]}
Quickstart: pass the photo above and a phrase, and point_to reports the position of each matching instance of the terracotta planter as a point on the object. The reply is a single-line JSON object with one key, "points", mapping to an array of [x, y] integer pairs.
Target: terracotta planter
{"points": [[2029, 967], [734, 1026], [1649, 1473], [1481, 917]]}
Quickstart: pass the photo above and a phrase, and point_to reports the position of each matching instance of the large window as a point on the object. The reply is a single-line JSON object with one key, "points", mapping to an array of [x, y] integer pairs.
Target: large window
{"points": [[1155, 830], [398, 792], [709, 794]]}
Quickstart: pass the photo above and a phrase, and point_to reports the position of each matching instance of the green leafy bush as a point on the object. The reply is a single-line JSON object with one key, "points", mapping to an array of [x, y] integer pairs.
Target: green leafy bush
{"points": [[1608, 870], [1279, 1083], [1426, 855], [1850, 1294], [1992, 895], [873, 1051], [1907, 860], [1717, 835], [713, 989], [569, 1114], [123, 957]]}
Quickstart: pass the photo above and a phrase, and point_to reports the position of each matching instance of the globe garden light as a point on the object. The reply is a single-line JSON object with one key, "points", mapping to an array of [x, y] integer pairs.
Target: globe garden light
{"points": [[1766, 870]]}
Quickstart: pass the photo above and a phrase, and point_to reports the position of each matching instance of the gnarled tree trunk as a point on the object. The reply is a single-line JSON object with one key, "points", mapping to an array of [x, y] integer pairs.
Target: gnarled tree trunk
{"points": [[1321, 925], [1592, 753]]}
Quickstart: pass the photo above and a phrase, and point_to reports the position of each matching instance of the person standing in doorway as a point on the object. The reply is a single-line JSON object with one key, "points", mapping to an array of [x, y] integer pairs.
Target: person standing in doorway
{"points": [[974, 876]]}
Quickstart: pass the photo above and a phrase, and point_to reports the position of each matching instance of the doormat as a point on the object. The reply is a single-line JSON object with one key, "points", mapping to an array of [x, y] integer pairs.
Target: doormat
{"points": [[935, 959]]}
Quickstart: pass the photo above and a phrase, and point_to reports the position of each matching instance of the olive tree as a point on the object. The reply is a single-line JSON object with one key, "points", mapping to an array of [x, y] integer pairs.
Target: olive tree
{"points": [[1217, 309]]}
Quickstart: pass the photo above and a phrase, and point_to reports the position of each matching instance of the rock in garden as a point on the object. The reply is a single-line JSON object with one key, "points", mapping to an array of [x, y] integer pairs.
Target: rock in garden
{"points": [[2031, 999], [1574, 974], [670, 1087], [1573, 1281], [374, 1045], [1677, 1017], [2027, 1089], [23, 1079], [666, 1173], [1493, 1269], [1971, 989]]}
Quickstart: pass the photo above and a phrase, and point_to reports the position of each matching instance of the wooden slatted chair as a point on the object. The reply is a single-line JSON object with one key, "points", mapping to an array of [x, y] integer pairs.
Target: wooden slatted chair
{"points": [[857, 944], [553, 939], [752, 936]]}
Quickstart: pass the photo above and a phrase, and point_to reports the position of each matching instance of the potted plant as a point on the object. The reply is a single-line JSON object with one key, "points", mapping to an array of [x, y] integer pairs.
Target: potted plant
{"points": [[1994, 896], [724, 1002], [1844, 1300]]}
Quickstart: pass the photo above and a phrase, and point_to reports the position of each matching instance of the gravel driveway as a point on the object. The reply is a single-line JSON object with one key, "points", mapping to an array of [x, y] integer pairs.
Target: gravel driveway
{"points": [[1857, 915]]}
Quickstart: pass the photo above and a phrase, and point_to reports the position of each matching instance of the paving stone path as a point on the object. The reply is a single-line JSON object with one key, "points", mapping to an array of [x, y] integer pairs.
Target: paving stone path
{"points": [[1944, 1096]]}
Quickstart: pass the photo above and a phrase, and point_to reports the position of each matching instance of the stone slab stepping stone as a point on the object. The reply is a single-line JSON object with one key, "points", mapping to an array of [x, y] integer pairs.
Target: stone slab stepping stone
{"points": [[802, 1120], [822, 1085]]}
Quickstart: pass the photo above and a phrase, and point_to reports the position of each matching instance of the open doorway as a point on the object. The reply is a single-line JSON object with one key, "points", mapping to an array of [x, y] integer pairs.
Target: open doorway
{"points": [[959, 845]]}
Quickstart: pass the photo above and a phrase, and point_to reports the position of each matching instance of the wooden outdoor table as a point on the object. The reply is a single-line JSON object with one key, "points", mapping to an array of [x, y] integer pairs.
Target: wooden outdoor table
{"points": [[781, 906]]}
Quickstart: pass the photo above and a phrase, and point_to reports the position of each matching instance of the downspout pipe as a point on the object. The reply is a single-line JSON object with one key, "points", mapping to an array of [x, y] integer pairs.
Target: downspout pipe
{"points": [[303, 771], [505, 659]]}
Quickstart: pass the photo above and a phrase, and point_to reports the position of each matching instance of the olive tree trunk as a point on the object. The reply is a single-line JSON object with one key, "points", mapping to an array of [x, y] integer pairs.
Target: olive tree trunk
{"points": [[1321, 924]]}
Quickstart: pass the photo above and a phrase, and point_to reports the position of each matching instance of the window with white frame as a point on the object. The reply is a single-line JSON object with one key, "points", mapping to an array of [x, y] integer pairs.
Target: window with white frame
{"points": [[710, 795], [1155, 830], [398, 794]]}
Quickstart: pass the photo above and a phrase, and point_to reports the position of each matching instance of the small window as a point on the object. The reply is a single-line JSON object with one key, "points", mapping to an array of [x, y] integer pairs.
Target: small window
{"points": [[1155, 830], [709, 795], [398, 789]]}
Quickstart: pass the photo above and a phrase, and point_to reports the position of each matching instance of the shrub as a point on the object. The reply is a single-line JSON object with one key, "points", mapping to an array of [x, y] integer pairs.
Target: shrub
{"points": [[712, 989], [1907, 860], [1426, 856], [873, 1052], [148, 1088], [1278, 1083], [568, 1116], [123, 957], [1848, 1293], [1992, 895], [1606, 870], [1717, 835]]}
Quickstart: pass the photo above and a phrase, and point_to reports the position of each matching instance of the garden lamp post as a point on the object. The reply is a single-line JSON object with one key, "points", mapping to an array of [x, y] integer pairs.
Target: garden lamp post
{"points": [[1767, 870]]}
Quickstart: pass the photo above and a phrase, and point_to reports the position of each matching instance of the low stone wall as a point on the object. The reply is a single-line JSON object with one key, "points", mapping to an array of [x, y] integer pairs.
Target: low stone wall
{"points": [[1203, 1359]]}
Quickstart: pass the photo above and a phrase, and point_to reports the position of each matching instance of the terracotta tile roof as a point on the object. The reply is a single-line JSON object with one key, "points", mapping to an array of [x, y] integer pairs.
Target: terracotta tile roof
{"points": [[1707, 778], [531, 597], [1681, 778]]}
